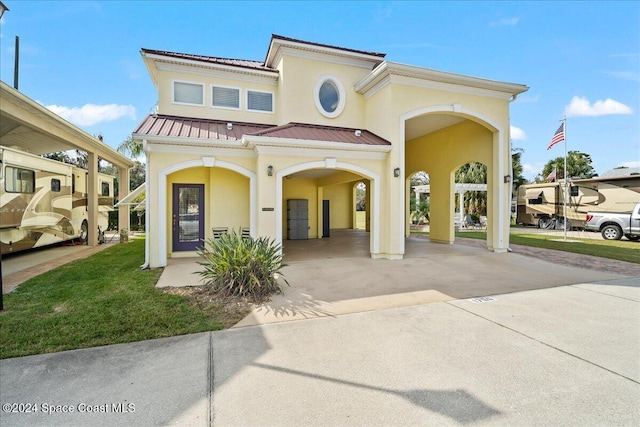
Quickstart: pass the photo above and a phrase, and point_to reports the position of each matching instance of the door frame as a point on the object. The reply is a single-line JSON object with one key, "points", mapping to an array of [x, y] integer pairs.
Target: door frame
{"points": [[176, 245]]}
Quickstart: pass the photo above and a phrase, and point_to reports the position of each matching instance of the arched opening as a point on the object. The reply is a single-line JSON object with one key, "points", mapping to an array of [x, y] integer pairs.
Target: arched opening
{"points": [[196, 171], [361, 207], [316, 205], [440, 140]]}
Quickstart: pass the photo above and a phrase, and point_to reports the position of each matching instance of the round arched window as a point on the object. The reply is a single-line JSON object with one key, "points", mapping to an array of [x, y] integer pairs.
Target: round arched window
{"points": [[329, 96]]}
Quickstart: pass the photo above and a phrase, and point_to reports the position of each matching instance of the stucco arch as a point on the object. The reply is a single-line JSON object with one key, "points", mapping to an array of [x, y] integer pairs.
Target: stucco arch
{"points": [[493, 156], [201, 162], [333, 164]]}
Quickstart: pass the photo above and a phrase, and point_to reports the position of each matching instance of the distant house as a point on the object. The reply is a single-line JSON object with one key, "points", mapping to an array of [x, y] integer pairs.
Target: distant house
{"points": [[277, 147]]}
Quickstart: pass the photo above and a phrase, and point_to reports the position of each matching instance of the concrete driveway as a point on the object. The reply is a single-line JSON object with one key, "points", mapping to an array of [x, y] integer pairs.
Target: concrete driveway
{"points": [[452, 335]]}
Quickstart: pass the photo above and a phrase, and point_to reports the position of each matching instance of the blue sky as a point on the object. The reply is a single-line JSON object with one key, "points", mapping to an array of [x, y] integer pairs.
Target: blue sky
{"points": [[82, 58]]}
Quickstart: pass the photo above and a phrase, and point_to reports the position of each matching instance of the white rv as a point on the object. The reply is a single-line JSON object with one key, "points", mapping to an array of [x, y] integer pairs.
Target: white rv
{"points": [[44, 201], [543, 204]]}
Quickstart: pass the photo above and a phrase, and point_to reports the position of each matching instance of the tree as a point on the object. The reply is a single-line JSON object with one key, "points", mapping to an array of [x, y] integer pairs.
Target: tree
{"points": [[578, 165], [475, 201], [516, 162], [137, 174], [59, 156], [361, 197], [422, 212], [131, 147], [418, 178]]}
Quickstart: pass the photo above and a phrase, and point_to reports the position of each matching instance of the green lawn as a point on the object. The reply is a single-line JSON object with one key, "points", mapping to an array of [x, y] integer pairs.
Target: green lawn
{"points": [[103, 299], [622, 250]]}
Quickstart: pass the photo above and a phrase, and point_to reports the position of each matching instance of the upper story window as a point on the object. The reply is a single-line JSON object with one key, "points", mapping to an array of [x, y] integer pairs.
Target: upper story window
{"points": [[259, 101], [225, 97], [329, 96], [188, 93]]}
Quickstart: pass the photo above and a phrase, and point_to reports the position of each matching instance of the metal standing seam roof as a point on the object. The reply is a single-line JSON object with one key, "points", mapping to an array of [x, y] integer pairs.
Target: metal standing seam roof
{"points": [[312, 132], [188, 127]]}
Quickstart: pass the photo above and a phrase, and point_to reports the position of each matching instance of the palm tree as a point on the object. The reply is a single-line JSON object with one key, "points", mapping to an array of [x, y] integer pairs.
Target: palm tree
{"points": [[476, 201], [578, 165], [131, 147]]}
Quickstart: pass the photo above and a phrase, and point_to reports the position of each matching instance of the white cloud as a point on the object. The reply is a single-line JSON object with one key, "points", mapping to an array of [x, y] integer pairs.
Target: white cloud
{"points": [[504, 22], [580, 106], [530, 171], [517, 133], [91, 114]]}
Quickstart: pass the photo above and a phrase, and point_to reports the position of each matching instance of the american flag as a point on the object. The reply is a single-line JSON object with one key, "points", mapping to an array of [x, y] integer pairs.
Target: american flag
{"points": [[552, 175], [557, 137]]}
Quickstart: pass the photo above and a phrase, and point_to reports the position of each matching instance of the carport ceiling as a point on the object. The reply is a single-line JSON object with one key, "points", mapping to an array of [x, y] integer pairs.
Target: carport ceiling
{"points": [[15, 134], [424, 125], [29, 126]]}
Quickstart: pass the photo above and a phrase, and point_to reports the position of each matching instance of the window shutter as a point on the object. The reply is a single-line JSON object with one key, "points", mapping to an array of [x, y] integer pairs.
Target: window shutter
{"points": [[260, 101], [226, 97], [187, 93]]}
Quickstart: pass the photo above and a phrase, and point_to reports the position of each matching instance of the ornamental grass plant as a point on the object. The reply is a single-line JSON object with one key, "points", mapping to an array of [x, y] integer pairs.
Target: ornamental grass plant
{"points": [[242, 267]]}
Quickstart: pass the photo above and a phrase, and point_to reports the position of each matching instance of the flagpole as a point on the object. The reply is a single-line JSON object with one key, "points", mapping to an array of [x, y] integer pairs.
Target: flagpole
{"points": [[566, 182]]}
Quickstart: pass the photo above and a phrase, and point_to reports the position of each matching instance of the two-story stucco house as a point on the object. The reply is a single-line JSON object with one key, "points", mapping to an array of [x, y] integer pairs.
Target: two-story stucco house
{"points": [[276, 147]]}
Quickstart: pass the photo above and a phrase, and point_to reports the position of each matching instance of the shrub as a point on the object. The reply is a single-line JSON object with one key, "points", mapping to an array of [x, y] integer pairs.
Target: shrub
{"points": [[242, 267]]}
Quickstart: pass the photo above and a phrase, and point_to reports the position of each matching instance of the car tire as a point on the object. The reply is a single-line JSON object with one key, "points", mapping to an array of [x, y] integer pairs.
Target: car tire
{"points": [[633, 238], [611, 232]]}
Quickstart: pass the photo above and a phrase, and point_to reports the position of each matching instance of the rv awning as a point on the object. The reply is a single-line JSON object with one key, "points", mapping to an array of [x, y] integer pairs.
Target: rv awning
{"points": [[533, 193], [136, 197]]}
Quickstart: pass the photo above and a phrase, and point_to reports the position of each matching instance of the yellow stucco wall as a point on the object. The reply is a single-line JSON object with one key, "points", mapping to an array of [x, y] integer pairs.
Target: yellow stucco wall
{"points": [[228, 203], [341, 205], [167, 106], [296, 98]]}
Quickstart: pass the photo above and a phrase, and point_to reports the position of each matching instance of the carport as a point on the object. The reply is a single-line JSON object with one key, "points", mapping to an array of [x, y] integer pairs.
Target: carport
{"points": [[29, 126]]}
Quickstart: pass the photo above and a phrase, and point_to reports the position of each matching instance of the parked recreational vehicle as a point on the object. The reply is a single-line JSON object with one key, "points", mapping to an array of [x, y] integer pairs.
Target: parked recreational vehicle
{"points": [[542, 205], [44, 201]]}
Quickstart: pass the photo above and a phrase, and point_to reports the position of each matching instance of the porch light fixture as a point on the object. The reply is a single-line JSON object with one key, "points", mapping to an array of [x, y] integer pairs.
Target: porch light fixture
{"points": [[229, 126], [358, 132], [396, 172], [270, 170], [507, 179]]}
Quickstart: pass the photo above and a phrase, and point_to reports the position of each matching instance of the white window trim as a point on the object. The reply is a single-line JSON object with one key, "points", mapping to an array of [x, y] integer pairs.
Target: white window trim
{"points": [[341, 93], [173, 93], [239, 89], [260, 91]]}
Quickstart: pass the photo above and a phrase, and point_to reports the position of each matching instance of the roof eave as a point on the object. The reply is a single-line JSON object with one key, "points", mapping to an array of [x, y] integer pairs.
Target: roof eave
{"points": [[277, 43], [391, 68], [274, 74]]}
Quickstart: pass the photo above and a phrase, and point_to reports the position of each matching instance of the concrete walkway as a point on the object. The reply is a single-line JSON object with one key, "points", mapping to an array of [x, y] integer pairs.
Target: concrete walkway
{"points": [[560, 356]]}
